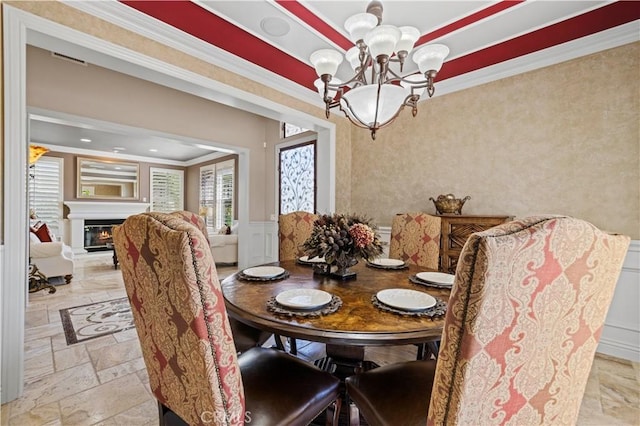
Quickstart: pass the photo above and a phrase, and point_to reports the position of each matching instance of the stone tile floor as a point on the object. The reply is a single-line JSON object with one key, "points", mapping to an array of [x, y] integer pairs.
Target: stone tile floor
{"points": [[103, 381]]}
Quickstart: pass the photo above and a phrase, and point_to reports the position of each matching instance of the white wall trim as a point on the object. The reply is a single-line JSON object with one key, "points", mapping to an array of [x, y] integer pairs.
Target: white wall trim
{"points": [[621, 332], [14, 278]]}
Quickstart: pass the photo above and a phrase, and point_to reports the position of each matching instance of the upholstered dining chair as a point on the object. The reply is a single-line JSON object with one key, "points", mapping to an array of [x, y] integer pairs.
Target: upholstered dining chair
{"points": [[244, 336], [293, 229], [187, 344], [523, 322], [415, 239]]}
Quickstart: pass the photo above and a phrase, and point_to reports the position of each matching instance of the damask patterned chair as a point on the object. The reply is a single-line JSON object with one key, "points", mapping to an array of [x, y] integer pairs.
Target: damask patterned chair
{"points": [[525, 315], [181, 321], [415, 239], [293, 230], [244, 336]]}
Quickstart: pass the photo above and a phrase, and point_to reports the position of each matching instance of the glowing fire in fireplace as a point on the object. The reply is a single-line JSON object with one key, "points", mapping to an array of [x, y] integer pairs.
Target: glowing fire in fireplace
{"points": [[104, 235]]}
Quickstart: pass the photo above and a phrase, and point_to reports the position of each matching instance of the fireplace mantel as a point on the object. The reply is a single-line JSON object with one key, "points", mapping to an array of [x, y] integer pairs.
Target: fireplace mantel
{"points": [[81, 210], [106, 210]]}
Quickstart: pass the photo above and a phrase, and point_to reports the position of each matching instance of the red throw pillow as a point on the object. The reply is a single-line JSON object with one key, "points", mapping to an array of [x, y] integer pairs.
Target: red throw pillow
{"points": [[43, 233]]}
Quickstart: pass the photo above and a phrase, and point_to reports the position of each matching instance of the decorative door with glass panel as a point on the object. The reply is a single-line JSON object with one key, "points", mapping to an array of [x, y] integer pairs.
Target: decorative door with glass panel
{"points": [[297, 171]]}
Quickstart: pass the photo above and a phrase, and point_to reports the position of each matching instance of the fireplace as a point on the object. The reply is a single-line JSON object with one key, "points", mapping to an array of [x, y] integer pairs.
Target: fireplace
{"points": [[97, 233], [98, 213]]}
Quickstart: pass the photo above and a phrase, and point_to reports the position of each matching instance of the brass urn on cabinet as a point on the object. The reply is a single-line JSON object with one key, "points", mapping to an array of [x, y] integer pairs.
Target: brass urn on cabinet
{"points": [[449, 204]]}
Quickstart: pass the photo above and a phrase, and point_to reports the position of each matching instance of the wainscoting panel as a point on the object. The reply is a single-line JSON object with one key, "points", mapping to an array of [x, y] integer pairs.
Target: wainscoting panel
{"points": [[621, 334], [264, 243]]}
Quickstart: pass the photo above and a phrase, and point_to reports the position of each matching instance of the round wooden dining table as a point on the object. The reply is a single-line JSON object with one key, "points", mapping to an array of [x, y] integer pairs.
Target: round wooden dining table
{"points": [[358, 322]]}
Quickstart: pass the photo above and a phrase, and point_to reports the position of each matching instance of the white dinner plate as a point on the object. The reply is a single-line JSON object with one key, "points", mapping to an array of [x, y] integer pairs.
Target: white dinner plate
{"points": [[305, 259], [387, 262], [436, 277], [303, 298], [263, 271], [405, 299]]}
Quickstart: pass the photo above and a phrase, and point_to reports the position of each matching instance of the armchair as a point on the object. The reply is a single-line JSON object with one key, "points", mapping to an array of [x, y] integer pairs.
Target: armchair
{"points": [[524, 318], [53, 259]]}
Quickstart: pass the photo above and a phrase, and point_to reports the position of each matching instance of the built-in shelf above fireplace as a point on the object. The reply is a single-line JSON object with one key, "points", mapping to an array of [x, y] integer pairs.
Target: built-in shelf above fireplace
{"points": [[79, 211]]}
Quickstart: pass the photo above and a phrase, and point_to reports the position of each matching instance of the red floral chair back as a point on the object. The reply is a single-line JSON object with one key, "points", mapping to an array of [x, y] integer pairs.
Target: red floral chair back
{"points": [[415, 239], [180, 317], [293, 230], [194, 219], [524, 319]]}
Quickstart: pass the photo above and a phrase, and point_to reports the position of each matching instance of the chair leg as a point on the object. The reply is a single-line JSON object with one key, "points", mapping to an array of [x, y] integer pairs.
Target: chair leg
{"points": [[293, 345], [278, 340], [433, 348], [161, 411], [333, 413], [422, 351], [354, 415]]}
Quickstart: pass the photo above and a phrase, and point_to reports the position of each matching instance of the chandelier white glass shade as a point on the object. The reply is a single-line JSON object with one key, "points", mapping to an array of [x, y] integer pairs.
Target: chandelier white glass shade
{"points": [[377, 93]]}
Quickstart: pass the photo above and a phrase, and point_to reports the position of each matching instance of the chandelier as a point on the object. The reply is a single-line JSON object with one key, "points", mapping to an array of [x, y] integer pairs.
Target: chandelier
{"points": [[375, 95]]}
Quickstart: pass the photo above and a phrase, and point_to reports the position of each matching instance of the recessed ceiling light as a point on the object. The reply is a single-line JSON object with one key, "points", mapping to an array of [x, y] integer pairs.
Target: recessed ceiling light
{"points": [[85, 140], [276, 27], [119, 148], [153, 150]]}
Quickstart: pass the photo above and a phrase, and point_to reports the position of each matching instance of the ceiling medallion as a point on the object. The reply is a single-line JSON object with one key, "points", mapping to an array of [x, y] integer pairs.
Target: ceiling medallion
{"points": [[375, 95]]}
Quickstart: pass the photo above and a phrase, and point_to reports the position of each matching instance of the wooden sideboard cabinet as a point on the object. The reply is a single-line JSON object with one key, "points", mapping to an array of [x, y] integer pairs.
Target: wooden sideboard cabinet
{"points": [[456, 230]]}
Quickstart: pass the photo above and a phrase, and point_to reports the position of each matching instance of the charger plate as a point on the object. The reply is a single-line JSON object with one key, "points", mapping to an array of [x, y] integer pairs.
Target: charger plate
{"points": [[439, 310], [303, 298], [331, 307], [387, 264]]}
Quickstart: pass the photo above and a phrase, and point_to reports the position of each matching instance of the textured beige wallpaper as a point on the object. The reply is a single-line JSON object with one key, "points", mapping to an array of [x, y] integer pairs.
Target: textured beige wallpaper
{"points": [[563, 139]]}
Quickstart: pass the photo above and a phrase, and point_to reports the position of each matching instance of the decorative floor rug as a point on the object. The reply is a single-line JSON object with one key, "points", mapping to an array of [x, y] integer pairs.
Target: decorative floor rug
{"points": [[86, 322]]}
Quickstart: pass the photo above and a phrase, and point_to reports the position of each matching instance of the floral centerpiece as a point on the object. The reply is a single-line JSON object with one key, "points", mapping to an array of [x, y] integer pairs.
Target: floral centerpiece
{"points": [[341, 240]]}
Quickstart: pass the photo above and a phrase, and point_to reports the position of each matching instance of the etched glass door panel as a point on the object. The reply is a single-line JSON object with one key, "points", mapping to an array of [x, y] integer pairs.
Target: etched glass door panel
{"points": [[298, 178]]}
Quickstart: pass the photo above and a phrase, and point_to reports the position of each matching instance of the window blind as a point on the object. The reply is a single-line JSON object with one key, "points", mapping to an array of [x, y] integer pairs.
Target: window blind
{"points": [[46, 192], [217, 188], [167, 190]]}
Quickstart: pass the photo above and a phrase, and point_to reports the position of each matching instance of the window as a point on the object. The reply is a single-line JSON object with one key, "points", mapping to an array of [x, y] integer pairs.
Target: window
{"points": [[298, 178], [217, 187], [167, 190], [289, 129], [46, 193]]}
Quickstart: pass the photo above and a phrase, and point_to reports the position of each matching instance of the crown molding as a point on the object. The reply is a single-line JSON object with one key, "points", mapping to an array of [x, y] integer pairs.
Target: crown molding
{"points": [[608, 39]]}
